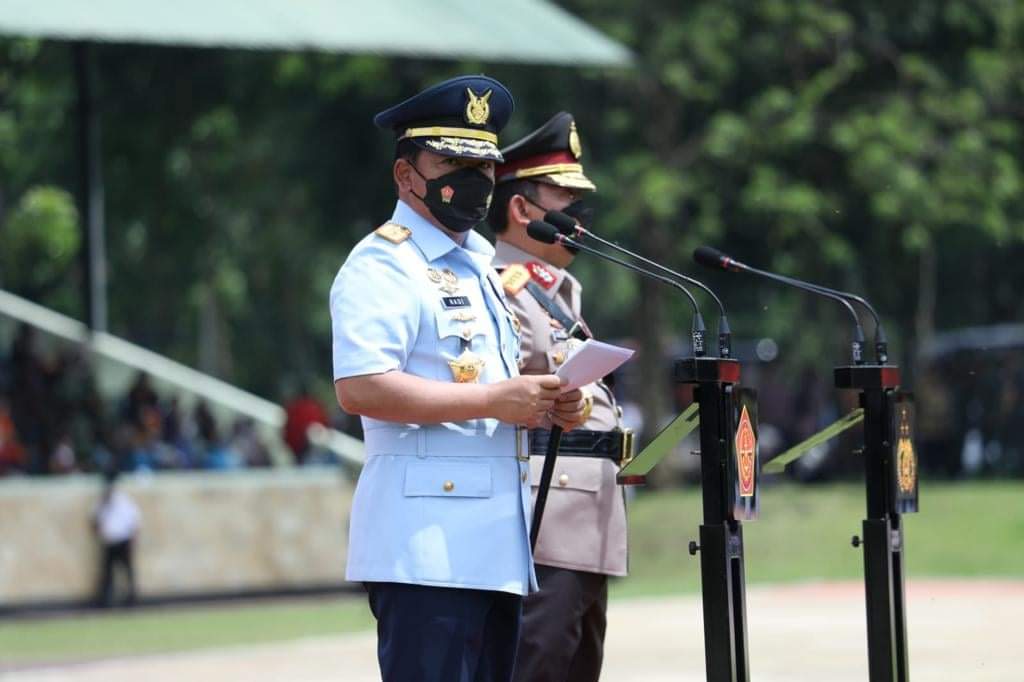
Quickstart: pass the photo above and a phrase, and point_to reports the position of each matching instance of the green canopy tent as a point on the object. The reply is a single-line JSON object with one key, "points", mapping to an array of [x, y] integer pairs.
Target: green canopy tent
{"points": [[528, 31]]}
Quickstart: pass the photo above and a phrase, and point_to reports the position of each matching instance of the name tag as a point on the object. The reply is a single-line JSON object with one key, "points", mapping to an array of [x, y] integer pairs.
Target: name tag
{"points": [[450, 302]]}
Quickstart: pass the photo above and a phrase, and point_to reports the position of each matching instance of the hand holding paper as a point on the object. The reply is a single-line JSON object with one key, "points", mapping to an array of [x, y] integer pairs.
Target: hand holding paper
{"points": [[590, 362]]}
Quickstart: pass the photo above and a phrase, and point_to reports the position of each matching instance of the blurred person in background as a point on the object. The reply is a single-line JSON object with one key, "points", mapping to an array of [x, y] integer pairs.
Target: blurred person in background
{"points": [[12, 453], [425, 351], [302, 411], [116, 522], [30, 411], [582, 538], [246, 442]]}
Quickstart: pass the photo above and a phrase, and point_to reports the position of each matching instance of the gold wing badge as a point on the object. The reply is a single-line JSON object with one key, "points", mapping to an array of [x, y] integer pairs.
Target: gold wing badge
{"points": [[477, 108]]}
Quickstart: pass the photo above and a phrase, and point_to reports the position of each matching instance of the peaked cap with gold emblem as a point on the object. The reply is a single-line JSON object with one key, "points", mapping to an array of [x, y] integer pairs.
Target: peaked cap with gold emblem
{"points": [[458, 117], [550, 154]]}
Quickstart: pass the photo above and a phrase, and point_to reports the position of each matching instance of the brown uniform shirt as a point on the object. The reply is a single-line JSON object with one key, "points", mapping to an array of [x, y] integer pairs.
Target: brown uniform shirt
{"points": [[584, 525]]}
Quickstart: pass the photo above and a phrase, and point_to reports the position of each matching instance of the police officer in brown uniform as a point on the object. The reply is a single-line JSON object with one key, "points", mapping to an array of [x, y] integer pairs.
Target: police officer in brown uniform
{"points": [[582, 539]]}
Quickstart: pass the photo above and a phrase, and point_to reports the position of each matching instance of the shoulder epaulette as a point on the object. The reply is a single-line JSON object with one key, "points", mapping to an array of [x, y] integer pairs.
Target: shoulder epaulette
{"points": [[540, 274], [393, 232], [514, 278]]}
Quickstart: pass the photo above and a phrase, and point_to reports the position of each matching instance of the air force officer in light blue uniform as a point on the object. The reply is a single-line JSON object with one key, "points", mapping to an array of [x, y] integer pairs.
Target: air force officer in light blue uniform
{"points": [[426, 350]]}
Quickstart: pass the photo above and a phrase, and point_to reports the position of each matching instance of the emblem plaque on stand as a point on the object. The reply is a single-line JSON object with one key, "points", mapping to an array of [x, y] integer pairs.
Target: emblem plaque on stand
{"points": [[904, 455], [744, 465]]}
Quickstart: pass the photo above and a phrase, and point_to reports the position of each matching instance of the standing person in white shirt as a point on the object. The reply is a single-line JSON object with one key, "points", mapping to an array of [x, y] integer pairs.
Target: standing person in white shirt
{"points": [[116, 522]]}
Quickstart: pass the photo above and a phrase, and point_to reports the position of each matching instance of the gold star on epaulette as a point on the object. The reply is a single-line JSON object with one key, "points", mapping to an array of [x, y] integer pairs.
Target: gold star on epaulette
{"points": [[514, 278], [393, 232]]}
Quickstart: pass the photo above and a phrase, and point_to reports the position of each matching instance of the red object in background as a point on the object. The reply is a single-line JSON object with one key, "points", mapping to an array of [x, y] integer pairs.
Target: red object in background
{"points": [[12, 455], [301, 413]]}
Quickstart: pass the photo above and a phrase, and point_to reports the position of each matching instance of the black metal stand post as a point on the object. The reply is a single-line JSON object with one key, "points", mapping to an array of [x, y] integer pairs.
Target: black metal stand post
{"points": [[882, 534], [721, 536]]}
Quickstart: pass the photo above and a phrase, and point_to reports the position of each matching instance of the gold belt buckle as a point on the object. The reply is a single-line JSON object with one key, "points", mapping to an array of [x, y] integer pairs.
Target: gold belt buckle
{"points": [[521, 436], [627, 447]]}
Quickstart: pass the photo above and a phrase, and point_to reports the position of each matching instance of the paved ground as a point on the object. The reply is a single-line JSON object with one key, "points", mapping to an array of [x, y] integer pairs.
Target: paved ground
{"points": [[959, 631]]}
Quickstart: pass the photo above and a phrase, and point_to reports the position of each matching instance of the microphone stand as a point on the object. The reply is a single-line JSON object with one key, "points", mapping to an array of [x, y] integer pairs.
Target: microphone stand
{"points": [[729, 475], [890, 481]]}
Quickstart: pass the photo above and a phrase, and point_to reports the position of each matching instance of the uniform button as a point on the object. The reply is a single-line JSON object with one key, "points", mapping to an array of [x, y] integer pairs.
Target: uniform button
{"points": [[449, 486], [558, 357], [466, 332], [563, 480]]}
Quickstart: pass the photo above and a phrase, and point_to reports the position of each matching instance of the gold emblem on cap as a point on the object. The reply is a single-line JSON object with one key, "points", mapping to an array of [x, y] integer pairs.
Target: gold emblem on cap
{"points": [[477, 108], [467, 367], [574, 141]]}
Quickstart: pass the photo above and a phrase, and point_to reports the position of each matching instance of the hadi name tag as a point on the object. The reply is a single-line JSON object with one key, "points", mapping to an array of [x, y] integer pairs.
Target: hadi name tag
{"points": [[450, 302]]}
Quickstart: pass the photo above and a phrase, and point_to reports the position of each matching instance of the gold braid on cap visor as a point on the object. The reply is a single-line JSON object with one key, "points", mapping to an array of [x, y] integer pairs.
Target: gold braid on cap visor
{"points": [[443, 131]]}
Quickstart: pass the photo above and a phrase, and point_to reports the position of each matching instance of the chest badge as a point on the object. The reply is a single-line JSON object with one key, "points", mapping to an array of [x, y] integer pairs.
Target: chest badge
{"points": [[449, 281], [467, 367], [434, 275]]}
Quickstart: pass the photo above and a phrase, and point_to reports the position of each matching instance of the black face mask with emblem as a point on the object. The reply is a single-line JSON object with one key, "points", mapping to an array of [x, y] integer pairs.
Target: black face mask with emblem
{"points": [[459, 199]]}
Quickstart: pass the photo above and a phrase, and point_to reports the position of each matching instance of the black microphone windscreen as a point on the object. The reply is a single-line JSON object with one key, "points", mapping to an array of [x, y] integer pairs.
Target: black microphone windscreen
{"points": [[542, 231], [562, 222], [710, 258]]}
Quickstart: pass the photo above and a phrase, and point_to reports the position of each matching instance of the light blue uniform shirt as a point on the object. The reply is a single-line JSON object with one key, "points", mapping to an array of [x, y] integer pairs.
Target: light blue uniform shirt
{"points": [[436, 504]]}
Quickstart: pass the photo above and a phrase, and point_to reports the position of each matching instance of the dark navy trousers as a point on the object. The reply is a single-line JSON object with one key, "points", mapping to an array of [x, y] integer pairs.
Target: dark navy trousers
{"points": [[440, 634]]}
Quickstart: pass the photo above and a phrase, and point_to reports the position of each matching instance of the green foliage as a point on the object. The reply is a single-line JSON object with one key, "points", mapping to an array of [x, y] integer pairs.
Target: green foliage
{"points": [[844, 142], [41, 237]]}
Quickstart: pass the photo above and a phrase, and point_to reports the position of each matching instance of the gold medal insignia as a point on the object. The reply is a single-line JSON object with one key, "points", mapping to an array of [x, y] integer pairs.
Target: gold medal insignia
{"points": [[433, 275], [467, 367], [463, 316], [746, 454], [450, 281], [906, 462], [394, 233], [477, 108], [514, 278], [574, 141]]}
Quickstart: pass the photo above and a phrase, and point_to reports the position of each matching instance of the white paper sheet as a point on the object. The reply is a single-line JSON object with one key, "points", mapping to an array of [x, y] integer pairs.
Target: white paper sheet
{"points": [[590, 362]]}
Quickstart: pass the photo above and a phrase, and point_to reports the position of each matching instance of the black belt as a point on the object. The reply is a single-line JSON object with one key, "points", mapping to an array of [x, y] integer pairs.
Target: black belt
{"points": [[614, 445]]}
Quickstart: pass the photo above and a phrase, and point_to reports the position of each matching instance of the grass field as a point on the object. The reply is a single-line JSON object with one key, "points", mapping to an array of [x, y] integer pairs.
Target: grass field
{"points": [[804, 534]]}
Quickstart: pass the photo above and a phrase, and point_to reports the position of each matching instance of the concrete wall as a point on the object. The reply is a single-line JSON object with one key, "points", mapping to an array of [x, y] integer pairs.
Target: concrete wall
{"points": [[201, 533]]}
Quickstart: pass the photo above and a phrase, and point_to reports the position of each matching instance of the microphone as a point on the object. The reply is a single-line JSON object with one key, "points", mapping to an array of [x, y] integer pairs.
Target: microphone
{"points": [[570, 228], [549, 234], [715, 259]]}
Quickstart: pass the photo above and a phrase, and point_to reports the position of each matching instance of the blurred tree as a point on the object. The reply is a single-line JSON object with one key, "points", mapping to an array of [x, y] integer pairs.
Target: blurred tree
{"points": [[873, 146]]}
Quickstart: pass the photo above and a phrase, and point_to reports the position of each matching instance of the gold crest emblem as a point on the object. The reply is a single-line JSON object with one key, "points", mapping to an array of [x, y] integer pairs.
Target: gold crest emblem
{"points": [[477, 108], [906, 461], [574, 141], [467, 367], [746, 454]]}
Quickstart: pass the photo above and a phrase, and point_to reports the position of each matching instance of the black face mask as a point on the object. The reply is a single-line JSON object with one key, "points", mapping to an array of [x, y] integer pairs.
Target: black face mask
{"points": [[578, 211], [581, 212], [460, 199]]}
